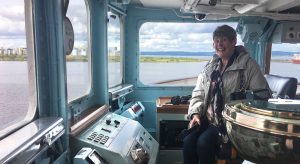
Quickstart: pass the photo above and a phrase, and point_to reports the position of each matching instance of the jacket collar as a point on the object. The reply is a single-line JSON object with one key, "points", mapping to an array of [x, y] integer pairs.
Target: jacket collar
{"points": [[238, 63]]}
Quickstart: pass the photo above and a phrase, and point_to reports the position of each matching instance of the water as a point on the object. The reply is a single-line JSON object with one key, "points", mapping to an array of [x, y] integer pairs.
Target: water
{"points": [[157, 72], [13, 92], [14, 81], [285, 69]]}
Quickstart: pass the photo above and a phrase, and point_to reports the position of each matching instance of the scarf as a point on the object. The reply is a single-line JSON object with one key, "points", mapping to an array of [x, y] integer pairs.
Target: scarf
{"points": [[217, 100]]}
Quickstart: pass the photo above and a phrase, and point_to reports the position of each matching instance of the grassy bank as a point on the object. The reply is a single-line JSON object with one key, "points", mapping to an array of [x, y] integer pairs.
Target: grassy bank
{"points": [[110, 58], [13, 58], [148, 59], [77, 58], [281, 61], [143, 59], [24, 58], [168, 59]]}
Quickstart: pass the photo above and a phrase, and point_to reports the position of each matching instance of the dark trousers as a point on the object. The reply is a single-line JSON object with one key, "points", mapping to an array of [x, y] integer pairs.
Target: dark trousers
{"points": [[201, 145]]}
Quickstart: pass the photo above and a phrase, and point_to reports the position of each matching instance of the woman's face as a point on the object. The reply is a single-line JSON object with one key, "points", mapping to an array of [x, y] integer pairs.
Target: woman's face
{"points": [[224, 46]]}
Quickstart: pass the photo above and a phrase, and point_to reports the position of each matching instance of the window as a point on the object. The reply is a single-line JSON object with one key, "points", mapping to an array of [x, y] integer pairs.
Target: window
{"points": [[114, 49], [281, 60], [78, 62], [17, 93], [175, 53]]}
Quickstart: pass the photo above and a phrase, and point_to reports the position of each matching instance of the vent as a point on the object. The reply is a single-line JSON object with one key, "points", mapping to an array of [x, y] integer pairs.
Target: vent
{"points": [[240, 2], [253, 36]]}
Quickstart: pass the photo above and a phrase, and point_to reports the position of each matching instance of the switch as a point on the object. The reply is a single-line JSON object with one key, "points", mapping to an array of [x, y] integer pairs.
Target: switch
{"points": [[107, 130], [108, 121], [117, 122]]}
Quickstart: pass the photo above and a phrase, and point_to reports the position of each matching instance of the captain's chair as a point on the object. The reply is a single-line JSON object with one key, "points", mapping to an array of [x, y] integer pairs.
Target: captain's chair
{"points": [[282, 87]]}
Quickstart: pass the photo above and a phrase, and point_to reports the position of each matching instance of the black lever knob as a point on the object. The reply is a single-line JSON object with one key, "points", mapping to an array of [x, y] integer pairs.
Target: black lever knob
{"points": [[108, 121], [117, 122]]}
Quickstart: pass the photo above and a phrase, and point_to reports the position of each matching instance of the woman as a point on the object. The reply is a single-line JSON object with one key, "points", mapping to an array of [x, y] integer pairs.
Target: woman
{"points": [[231, 69]]}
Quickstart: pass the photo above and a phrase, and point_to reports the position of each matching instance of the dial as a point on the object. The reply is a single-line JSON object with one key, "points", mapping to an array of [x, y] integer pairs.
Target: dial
{"points": [[69, 36]]}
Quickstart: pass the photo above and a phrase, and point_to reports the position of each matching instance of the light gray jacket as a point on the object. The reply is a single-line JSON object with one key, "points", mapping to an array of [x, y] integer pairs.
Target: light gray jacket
{"points": [[253, 79]]}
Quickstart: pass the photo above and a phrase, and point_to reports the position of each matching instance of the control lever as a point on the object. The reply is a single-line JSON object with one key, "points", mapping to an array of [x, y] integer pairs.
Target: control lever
{"points": [[117, 123], [108, 121]]}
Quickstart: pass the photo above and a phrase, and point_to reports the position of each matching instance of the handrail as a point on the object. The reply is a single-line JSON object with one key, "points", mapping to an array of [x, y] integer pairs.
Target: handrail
{"points": [[88, 120], [27, 143], [175, 80]]}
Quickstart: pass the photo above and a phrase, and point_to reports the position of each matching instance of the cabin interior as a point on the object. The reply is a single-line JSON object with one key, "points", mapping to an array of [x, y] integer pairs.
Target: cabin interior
{"points": [[115, 109]]}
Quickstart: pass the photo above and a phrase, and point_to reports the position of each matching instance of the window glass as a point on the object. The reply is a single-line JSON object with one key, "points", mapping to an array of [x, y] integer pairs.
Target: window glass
{"points": [[16, 104], [114, 50], [78, 64], [175, 53], [285, 60]]}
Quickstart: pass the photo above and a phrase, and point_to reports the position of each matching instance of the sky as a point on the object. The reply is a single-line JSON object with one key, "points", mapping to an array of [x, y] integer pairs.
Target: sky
{"points": [[12, 24], [190, 37]]}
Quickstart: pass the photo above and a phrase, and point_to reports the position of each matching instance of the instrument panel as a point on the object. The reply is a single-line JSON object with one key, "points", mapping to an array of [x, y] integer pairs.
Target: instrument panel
{"points": [[119, 140]]}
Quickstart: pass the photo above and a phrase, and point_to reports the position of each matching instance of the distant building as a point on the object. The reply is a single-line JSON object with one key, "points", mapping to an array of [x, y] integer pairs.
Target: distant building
{"points": [[2, 51], [18, 51], [15, 51], [78, 52], [112, 50], [74, 52], [10, 51], [24, 51], [82, 52]]}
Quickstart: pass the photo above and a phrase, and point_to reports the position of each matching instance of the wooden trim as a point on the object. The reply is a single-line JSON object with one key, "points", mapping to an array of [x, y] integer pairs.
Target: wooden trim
{"points": [[173, 110], [163, 106], [88, 120], [221, 161]]}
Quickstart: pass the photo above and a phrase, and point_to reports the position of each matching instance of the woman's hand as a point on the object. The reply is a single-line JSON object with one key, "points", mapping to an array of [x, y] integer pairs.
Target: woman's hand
{"points": [[195, 120]]}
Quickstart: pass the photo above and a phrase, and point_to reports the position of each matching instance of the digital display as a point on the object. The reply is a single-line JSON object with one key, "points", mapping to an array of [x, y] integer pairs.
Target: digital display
{"points": [[136, 107]]}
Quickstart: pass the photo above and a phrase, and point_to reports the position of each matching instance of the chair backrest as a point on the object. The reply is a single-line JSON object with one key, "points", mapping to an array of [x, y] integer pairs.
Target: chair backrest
{"points": [[282, 87]]}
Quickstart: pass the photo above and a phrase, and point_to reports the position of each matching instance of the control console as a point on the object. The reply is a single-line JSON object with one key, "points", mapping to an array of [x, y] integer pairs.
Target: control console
{"points": [[119, 140]]}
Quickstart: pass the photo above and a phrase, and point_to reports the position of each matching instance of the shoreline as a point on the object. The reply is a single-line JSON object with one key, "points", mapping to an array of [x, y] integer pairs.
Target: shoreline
{"points": [[143, 59]]}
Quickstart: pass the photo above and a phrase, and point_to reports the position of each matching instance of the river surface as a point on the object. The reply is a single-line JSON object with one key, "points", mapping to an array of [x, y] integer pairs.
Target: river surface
{"points": [[14, 81]]}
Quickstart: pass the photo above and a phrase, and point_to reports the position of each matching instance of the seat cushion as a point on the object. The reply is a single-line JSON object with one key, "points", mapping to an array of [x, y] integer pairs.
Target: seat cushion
{"points": [[282, 87]]}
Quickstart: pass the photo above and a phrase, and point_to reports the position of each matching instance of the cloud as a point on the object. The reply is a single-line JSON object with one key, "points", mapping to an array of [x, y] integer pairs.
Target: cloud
{"points": [[154, 36], [156, 27], [286, 47], [178, 36], [12, 42], [12, 24], [77, 13], [12, 20]]}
